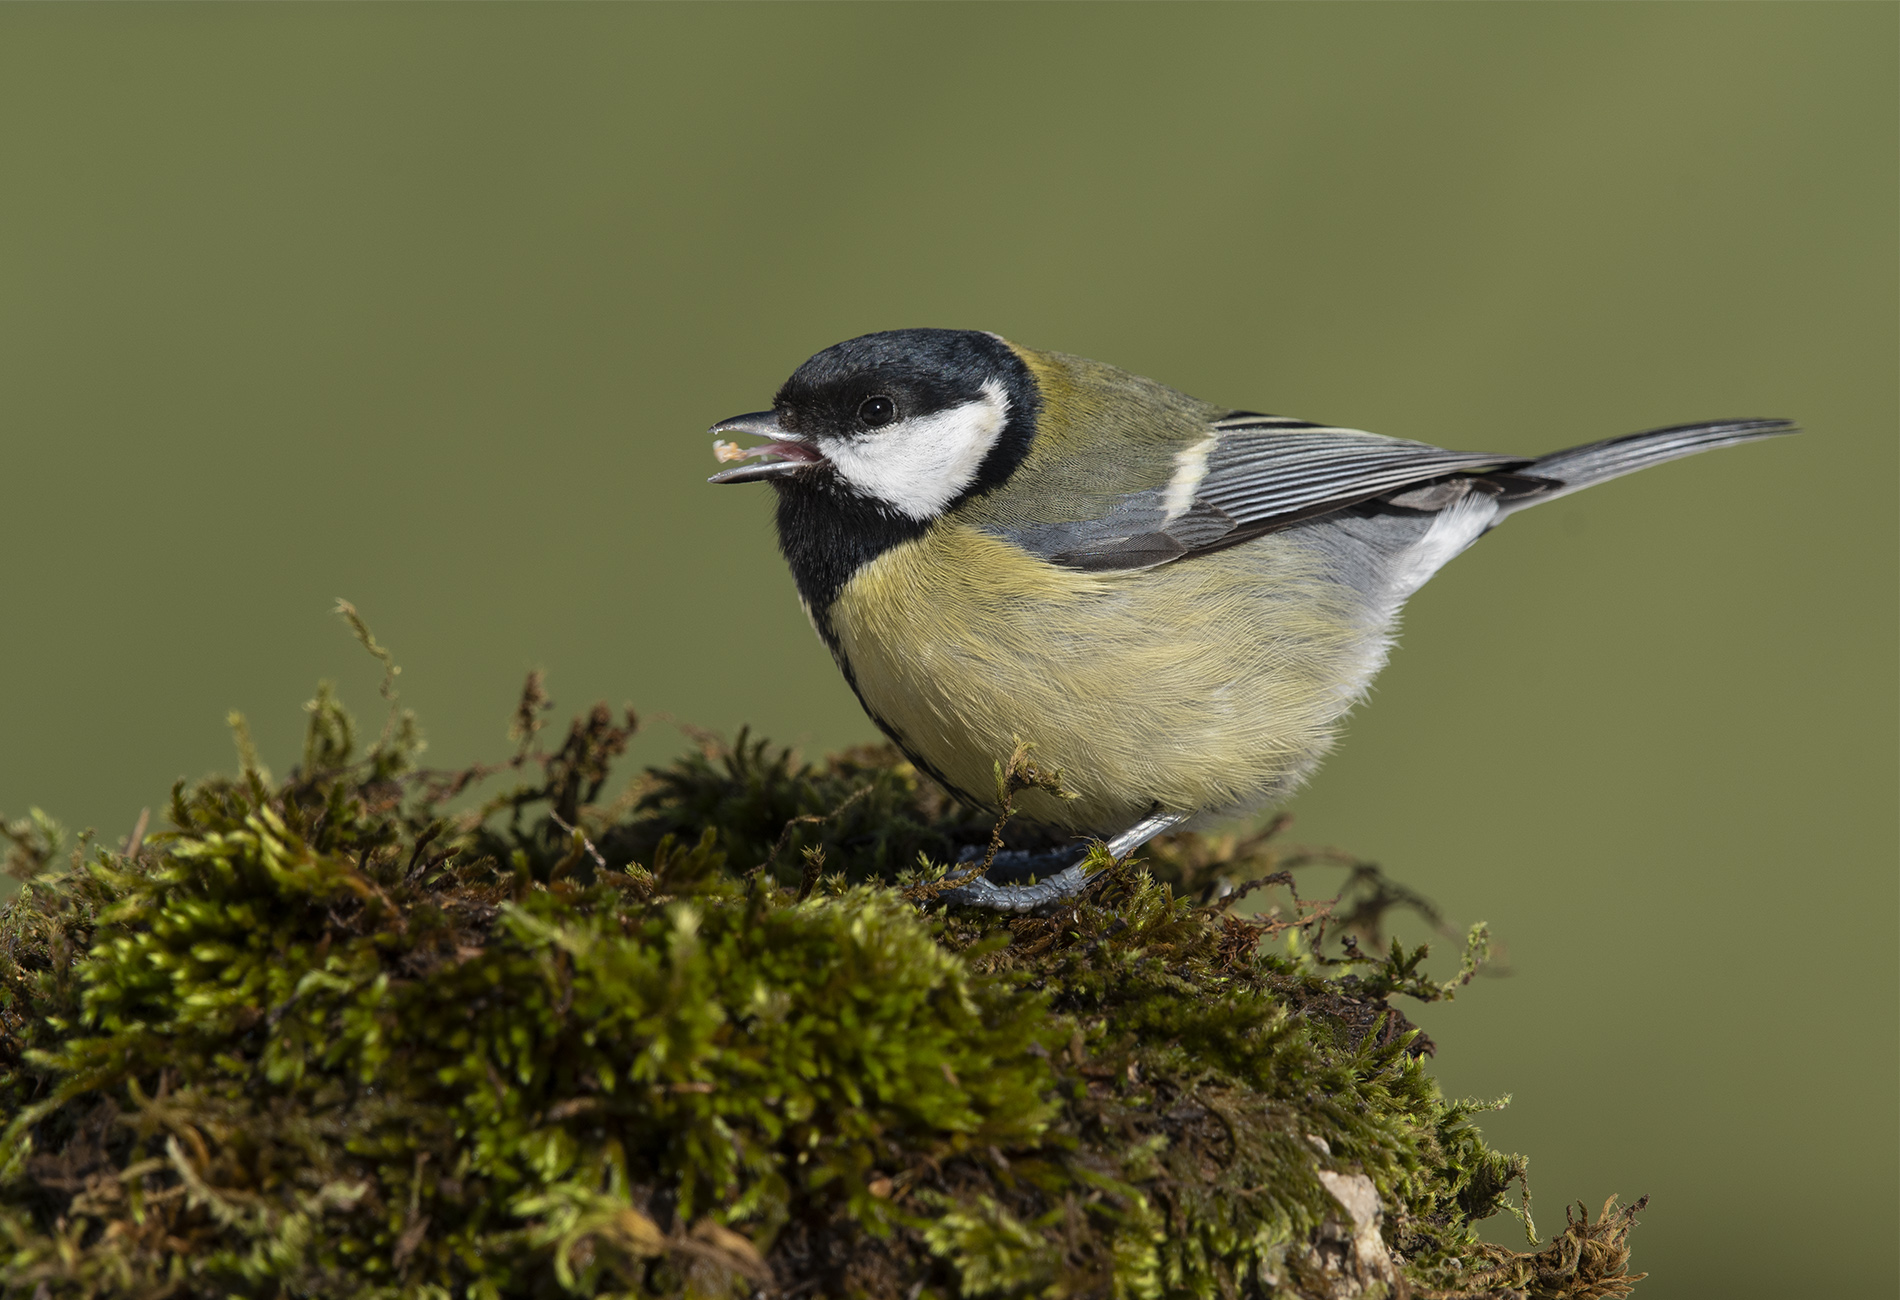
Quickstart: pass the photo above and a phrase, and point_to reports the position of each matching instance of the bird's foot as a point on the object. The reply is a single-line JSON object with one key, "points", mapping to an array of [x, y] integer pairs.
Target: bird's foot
{"points": [[1057, 873]]}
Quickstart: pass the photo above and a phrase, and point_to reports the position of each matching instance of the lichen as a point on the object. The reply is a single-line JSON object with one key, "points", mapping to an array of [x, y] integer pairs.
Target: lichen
{"points": [[356, 1033]]}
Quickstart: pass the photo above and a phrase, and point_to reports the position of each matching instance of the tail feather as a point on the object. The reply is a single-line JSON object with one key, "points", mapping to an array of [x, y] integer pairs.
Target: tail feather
{"points": [[1564, 472]]}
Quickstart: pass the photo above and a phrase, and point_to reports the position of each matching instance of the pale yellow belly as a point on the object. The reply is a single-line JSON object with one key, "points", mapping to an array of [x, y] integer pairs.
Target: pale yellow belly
{"points": [[1209, 685]]}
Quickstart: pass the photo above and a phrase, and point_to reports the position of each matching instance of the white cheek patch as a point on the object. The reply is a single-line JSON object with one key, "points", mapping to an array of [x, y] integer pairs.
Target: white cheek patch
{"points": [[918, 466]]}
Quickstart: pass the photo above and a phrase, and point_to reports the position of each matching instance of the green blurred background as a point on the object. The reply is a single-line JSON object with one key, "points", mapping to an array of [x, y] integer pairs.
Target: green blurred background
{"points": [[430, 306]]}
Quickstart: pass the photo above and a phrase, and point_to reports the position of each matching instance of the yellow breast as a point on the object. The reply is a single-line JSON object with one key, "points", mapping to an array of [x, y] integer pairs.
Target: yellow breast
{"points": [[1209, 685]]}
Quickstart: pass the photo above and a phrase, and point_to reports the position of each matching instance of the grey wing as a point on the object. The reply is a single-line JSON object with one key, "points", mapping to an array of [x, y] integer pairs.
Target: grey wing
{"points": [[1250, 475]]}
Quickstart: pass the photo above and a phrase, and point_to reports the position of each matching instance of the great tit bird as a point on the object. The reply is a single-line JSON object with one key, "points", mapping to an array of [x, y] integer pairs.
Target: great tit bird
{"points": [[1174, 602]]}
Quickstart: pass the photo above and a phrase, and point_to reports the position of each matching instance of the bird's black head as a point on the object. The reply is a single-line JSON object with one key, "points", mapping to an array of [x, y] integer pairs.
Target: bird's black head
{"points": [[876, 437], [908, 422]]}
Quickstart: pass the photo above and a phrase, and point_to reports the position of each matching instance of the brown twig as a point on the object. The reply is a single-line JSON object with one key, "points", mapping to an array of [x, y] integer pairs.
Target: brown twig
{"points": [[527, 718], [1276, 878], [806, 819], [136, 839], [586, 843]]}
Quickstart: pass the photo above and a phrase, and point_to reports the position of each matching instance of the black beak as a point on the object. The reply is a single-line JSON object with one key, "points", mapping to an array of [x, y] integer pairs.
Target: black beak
{"points": [[792, 451]]}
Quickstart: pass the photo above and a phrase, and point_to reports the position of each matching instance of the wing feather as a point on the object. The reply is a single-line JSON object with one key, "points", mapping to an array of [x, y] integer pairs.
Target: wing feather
{"points": [[1255, 474], [1262, 472]]}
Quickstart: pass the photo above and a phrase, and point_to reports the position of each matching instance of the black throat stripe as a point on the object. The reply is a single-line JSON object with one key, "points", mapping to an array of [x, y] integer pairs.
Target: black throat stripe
{"points": [[828, 533]]}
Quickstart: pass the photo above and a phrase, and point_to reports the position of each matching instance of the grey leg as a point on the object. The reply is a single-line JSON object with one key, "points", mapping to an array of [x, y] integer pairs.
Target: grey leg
{"points": [[1047, 894]]}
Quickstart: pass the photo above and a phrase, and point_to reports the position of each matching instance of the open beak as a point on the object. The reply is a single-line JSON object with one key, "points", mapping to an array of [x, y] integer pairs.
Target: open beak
{"points": [[789, 453]]}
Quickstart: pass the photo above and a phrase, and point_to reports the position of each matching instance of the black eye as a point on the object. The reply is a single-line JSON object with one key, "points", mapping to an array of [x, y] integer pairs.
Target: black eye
{"points": [[876, 412]]}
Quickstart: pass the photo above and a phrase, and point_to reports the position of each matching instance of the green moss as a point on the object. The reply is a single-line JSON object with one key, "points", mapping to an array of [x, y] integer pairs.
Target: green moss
{"points": [[344, 1035]]}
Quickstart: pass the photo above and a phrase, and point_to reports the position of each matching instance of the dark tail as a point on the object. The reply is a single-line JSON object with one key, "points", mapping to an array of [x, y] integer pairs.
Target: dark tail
{"points": [[1580, 467]]}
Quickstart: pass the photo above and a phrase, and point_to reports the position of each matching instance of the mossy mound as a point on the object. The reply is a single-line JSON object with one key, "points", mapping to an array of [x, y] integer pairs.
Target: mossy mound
{"points": [[331, 1036]]}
